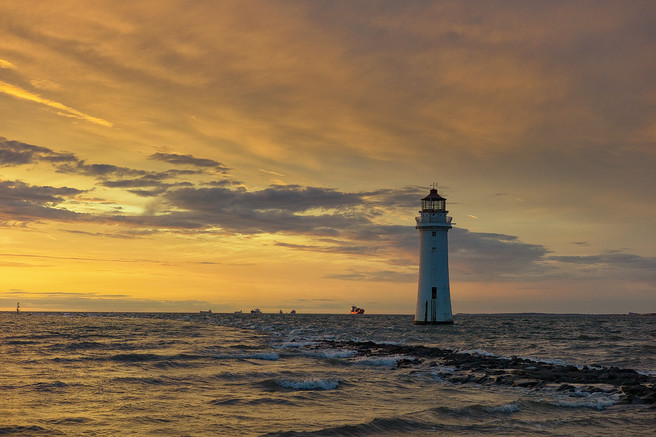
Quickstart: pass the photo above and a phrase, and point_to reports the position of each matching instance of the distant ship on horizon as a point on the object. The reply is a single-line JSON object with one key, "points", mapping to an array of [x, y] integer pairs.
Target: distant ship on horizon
{"points": [[356, 310]]}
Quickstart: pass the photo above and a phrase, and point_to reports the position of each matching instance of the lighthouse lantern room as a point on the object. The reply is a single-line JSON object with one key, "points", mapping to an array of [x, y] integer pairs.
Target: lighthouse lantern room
{"points": [[433, 295]]}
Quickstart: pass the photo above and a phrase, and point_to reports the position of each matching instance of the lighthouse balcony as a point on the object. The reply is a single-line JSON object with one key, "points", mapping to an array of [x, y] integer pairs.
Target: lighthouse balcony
{"points": [[434, 219]]}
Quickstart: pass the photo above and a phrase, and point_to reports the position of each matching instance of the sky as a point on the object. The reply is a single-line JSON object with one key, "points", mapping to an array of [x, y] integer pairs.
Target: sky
{"points": [[229, 155]]}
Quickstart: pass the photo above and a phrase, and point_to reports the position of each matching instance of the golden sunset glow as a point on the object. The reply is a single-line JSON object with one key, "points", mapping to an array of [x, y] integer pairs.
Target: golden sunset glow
{"points": [[175, 156]]}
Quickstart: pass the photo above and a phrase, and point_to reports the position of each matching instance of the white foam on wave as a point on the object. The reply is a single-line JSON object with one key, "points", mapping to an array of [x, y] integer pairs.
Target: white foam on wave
{"points": [[555, 361], [308, 384], [481, 352], [267, 356], [505, 408], [583, 399], [332, 354], [443, 369], [295, 344], [596, 403], [390, 361], [438, 372]]}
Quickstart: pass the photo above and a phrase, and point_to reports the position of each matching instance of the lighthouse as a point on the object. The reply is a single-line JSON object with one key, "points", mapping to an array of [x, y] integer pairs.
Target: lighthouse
{"points": [[433, 295]]}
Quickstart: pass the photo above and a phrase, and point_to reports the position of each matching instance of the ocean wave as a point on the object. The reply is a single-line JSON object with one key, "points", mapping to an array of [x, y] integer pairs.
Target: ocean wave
{"points": [[331, 353], [134, 357], [244, 346], [480, 352], [596, 401], [308, 384], [443, 369], [226, 402], [24, 430], [151, 419], [504, 408], [20, 342], [172, 364], [382, 361], [375, 427], [83, 345], [265, 356], [479, 410], [139, 380], [69, 420], [49, 386], [557, 362], [270, 401], [295, 344], [259, 401], [597, 404]]}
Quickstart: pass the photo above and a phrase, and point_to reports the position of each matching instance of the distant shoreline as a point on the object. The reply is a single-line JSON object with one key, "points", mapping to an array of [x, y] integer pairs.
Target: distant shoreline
{"points": [[301, 313]]}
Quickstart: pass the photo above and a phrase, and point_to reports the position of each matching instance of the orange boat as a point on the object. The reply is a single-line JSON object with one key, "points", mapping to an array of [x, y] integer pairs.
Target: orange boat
{"points": [[356, 310]]}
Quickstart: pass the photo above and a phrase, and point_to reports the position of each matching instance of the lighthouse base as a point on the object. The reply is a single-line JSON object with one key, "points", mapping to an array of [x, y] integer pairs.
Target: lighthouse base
{"points": [[419, 322]]}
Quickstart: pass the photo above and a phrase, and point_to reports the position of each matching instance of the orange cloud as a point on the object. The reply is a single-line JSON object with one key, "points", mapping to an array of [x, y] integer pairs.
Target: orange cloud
{"points": [[7, 65], [64, 110]]}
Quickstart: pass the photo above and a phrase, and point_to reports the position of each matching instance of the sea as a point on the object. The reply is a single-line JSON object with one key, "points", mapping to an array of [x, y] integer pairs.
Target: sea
{"points": [[108, 374]]}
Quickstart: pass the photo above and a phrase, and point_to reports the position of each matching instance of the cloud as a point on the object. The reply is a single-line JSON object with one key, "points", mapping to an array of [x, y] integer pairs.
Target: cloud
{"points": [[62, 109], [330, 220], [99, 170], [281, 200], [96, 302], [404, 197], [476, 256], [45, 84], [174, 158], [20, 191], [7, 65], [376, 276], [612, 263], [15, 153], [22, 202], [291, 209], [337, 246], [147, 180]]}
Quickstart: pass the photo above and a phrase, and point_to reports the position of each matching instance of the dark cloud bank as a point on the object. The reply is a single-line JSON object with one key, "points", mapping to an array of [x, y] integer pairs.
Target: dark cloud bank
{"points": [[335, 221]]}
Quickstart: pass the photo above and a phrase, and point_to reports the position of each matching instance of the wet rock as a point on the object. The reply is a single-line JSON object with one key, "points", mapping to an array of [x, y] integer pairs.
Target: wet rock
{"points": [[566, 387], [405, 362], [526, 383], [505, 379], [484, 379], [514, 371], [639, 393]]}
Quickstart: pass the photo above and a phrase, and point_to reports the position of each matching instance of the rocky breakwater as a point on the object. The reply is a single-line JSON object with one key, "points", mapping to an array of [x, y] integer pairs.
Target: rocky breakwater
{"points": [[464, 367]]}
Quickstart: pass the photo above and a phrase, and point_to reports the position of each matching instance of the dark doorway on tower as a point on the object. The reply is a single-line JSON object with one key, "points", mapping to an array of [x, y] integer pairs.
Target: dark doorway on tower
{"points": [[434, 289]]}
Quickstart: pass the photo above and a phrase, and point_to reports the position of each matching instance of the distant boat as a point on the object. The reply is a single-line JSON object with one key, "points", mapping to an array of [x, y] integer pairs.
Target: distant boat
{"points": [[356, 310], [293, 312], [256, 311], [206, 312]]}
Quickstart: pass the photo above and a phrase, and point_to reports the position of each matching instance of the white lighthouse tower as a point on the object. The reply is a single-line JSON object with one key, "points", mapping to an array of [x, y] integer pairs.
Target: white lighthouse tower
{"points": [[433, 296]]}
